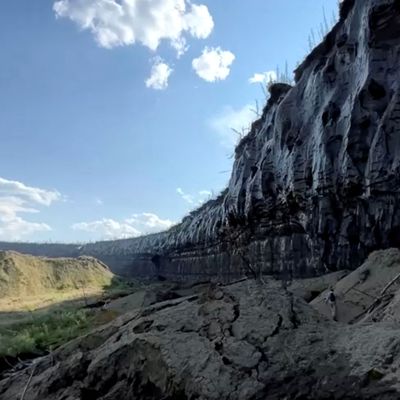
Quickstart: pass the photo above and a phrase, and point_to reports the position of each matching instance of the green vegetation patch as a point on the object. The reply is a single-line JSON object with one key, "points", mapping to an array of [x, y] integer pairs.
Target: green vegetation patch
{"points": [[44, 333]]}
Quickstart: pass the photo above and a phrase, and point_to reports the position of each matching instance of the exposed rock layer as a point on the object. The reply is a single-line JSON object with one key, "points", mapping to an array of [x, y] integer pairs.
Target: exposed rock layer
{"points": [[243, 341], [315, 185]]}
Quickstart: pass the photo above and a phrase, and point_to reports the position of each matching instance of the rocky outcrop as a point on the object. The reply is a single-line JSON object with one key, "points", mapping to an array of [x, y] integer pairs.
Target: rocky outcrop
{"points": [[242, 341], [315, 184]]}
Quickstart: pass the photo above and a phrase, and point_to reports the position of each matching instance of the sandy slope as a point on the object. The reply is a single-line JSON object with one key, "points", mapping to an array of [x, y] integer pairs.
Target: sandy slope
{"points": [[27, 281]]}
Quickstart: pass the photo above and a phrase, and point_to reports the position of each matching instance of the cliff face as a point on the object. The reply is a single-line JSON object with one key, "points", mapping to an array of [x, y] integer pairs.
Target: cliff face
{"points": [[319, 175], [315, 184]]}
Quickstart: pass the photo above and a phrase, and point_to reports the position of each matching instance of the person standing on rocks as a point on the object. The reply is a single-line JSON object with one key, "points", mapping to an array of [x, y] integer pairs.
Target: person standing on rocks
{"points": [[331, 300]]}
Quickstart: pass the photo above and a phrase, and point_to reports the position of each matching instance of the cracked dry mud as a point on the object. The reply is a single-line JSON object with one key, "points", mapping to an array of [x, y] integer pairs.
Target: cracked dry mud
{"points": [[241, 341]]}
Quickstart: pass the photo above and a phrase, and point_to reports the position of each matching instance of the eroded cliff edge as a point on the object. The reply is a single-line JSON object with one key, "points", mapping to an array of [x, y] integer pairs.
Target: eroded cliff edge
{"points": [[315, 184]]}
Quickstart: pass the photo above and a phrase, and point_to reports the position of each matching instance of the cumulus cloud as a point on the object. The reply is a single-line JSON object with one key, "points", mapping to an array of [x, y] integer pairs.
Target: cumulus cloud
{"points": [[194, 199], [17, 198], [230, 122], [214, 64], [160, 73], [264, 77], [108, 228], [136, 225], [126, 22], [149, 222]]}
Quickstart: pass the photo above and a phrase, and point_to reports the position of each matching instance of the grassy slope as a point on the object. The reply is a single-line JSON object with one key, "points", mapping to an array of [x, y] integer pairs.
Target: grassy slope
{"points": [[41, 300], [23, 276]]}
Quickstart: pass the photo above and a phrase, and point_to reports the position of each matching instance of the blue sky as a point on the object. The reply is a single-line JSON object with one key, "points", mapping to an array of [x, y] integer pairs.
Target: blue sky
{"points": [[115, 115]]}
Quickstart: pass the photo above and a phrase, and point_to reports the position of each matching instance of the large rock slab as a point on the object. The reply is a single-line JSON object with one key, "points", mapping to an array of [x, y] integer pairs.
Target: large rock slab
{"points": [[242, 341]]}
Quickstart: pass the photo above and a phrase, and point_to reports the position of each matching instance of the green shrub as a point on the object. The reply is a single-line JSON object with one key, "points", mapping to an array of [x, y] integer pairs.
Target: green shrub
{"points": [[44, 333]]}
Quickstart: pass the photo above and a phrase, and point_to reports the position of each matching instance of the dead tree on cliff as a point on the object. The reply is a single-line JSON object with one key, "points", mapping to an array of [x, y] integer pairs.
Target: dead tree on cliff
{"points": [[238, 240], [248, 266]]}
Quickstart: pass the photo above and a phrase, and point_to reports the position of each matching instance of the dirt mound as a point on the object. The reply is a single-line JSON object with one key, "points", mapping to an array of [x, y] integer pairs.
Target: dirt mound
{"points": [[28, 276]]}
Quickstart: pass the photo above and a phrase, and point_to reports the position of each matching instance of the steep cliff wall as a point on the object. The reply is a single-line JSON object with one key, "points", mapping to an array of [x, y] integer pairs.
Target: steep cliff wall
{"points": [[315, 184]]}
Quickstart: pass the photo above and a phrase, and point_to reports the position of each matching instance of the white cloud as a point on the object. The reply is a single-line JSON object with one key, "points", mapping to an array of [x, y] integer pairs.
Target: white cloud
{"points": [[230, 121], [180, 45], [149, 222], [206, 193], [199, 21], [17, 198], [160, 73], [36, 195], [195, 199], [16, 228], [11, 205], [108, 228], [126, 22], [214, 64], [99, 201], [136, 225], [264, 77]]}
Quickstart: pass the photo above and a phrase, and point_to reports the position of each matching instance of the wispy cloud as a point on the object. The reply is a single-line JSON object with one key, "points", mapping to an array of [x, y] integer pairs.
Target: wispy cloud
{"points": [[231, 122], [33, 194], [135, 225], [213, 64], [18, 198], [194, 199], [126, 22]]}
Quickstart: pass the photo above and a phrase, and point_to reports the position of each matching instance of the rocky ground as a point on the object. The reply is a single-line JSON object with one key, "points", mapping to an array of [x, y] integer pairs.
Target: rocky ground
{"points": [[314, 188], [246, 340]]}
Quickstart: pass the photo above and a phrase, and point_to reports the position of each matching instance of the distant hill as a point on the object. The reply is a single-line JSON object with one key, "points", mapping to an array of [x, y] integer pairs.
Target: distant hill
{"points": [[25, 275]]}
